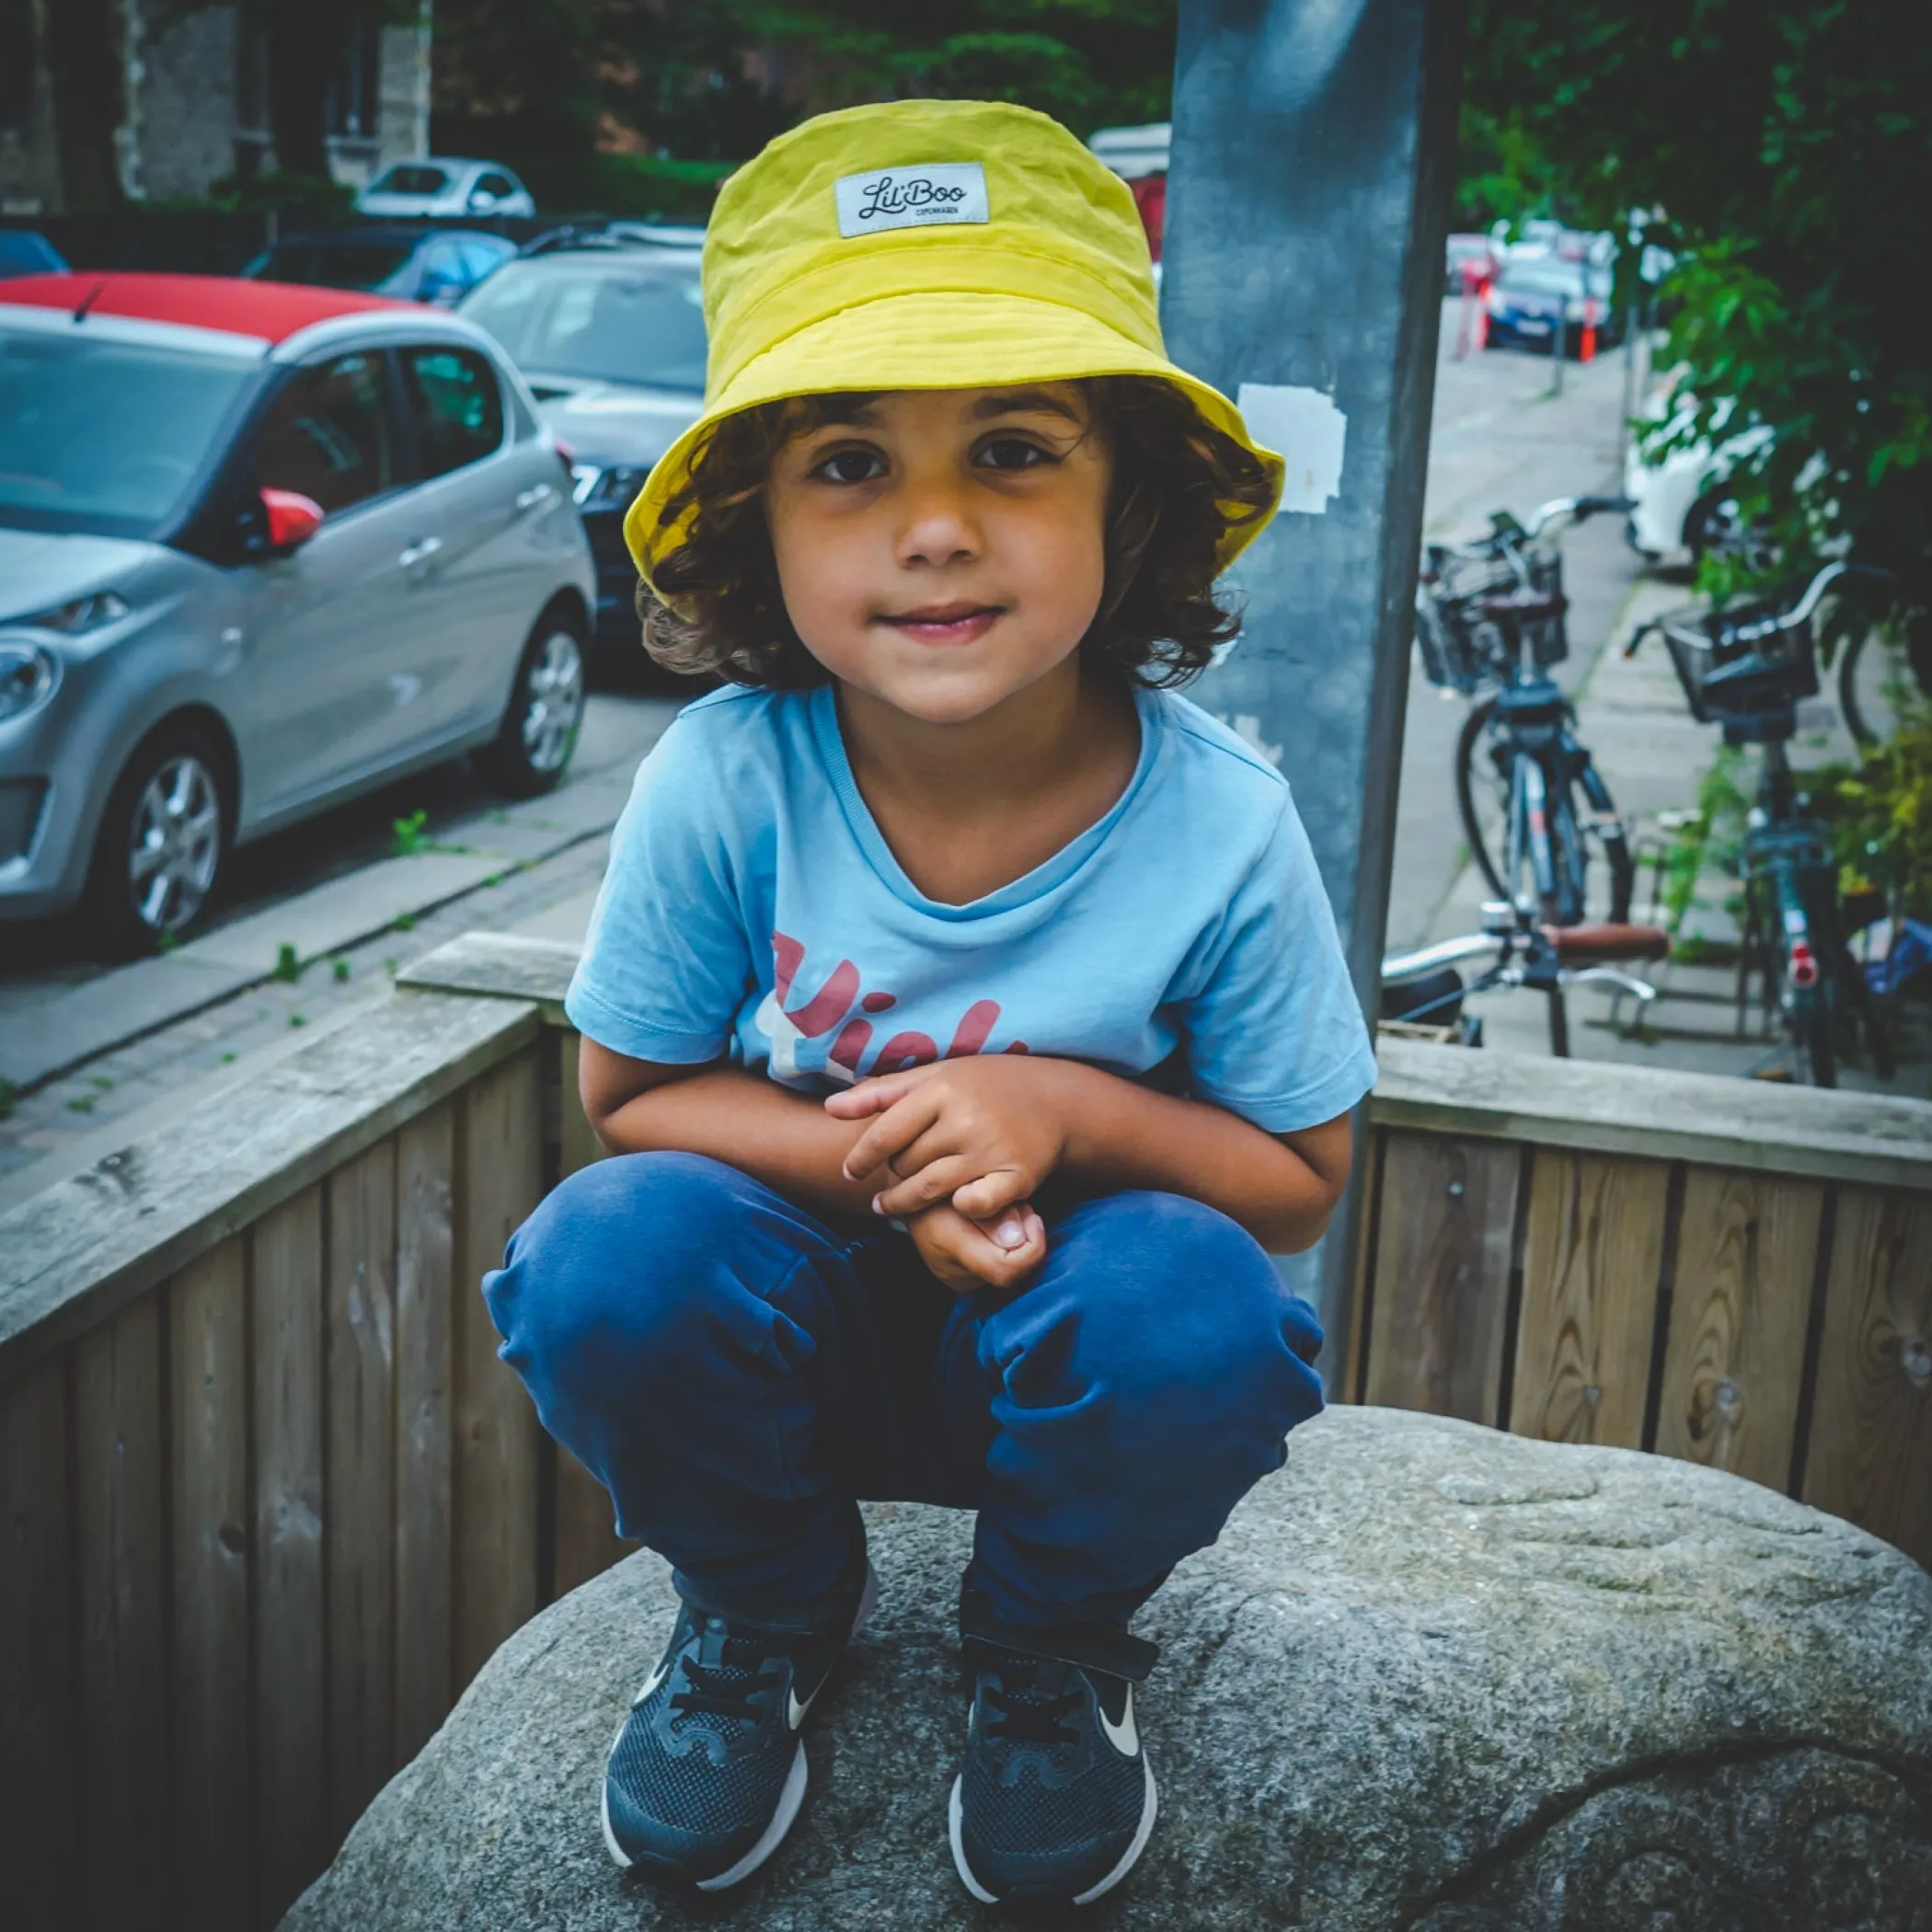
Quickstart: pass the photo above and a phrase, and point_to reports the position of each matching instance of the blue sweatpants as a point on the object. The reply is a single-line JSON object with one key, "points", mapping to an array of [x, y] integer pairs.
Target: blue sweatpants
{"points": [[738, 1370]]}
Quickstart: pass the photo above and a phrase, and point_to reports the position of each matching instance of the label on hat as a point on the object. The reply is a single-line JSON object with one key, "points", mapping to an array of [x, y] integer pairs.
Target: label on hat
{"points": [[915, 196]]}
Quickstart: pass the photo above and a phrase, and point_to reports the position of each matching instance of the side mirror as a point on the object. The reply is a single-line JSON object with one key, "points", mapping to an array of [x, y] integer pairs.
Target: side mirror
{"points": [[293, 518]]}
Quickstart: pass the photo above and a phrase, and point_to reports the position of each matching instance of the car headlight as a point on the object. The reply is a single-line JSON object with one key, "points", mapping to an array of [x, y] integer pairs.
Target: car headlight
{"points": [[84, 613], [612, 488], [28, 675]]}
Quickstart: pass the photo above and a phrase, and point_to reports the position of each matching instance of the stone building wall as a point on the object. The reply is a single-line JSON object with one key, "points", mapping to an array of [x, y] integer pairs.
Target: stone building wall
{"points": [[185, 105]]}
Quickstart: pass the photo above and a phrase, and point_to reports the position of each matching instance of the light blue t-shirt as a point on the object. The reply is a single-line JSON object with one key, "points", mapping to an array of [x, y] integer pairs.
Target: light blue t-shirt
{"points": [[752, 909]]}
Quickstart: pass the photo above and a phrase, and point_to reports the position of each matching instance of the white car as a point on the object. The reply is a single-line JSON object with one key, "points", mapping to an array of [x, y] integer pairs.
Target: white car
{"points": [[439, 186], [1679, 502]]}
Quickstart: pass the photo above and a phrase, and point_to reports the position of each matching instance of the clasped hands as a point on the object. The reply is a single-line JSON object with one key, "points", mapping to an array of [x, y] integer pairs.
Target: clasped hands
{"points": [[962, 1146]]}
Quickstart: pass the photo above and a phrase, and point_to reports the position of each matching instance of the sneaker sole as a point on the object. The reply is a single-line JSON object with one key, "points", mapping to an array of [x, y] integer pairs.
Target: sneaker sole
{"points": [[790, 1800], [1129, 1859]]}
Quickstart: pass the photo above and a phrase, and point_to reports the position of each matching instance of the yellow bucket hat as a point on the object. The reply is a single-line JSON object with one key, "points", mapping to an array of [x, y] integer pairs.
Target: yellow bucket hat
{"points": [[922, 244]]}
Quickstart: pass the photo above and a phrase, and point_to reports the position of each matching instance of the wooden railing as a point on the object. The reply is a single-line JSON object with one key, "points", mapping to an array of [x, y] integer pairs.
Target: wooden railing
{"points": [[268, 1498]]}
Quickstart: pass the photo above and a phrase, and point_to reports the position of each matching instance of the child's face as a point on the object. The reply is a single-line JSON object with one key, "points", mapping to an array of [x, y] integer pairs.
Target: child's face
{"points": [[943, 548]]}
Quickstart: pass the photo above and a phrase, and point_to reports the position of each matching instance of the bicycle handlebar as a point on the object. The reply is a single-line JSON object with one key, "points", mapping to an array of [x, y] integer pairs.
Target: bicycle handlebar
{"points": [[1398, 967], [1800, 613]]}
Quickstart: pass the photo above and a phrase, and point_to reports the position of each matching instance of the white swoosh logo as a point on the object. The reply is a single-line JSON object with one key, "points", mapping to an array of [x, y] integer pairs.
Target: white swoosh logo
{"points": [[651, 1683], [1123, 1736], [795, 1710]]}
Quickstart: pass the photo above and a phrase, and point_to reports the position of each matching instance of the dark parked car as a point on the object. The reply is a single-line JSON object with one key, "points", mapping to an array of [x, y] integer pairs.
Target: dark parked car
{"points": [[1533, 294], [608, 329], [412, 264], [25, 251]]}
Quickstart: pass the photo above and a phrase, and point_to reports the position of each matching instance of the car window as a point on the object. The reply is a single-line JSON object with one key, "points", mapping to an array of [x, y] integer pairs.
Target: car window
{"points": [[482, 256], [456, 403], [495, 184], [603, 322], [328, 434], [103, 436], [410, 178]]}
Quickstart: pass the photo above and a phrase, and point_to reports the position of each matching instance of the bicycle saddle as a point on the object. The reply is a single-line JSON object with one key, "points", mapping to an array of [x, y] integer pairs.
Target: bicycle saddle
{"points": [[1598, 945], [1524, 607]]}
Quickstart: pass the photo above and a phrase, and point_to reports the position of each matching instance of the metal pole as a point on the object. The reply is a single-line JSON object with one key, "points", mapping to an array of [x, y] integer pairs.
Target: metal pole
{"points": [[1313, 157]]}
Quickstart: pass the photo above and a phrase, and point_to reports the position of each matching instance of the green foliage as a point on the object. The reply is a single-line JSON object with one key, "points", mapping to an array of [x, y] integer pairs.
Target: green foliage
{"points": [[288, 967], [1880, 811], [1787, 150], [1713, 836], [406, 834]]}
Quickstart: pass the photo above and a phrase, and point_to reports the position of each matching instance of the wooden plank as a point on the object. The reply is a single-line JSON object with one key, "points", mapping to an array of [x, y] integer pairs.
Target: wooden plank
{"points": [[120, 1468], [1444, 1230], [425, 1236], [211, 1787], [1879, 1140], [291, 1718], [1747, 1249], [1345, 1380], [1870, 1451], [498, 965], [587, 1538], [39, 1809], [360, 1537], [499, 1167], [1592, 1261], [580, 1143], [71, 1255]]}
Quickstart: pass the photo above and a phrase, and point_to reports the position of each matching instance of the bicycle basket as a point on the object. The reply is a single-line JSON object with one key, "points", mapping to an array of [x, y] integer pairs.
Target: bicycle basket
{"points": [[1463, 650], [1769, 668]]}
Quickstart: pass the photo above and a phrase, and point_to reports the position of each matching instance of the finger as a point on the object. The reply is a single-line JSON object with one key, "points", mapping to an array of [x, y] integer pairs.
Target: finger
{"points": [[985, 1250], [924, 1190], [985, 1197], [897, 1127], [866, 1098]]}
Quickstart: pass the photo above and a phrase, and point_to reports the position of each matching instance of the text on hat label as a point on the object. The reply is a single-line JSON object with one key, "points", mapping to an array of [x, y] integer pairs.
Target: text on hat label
{"points": [[913, 196]]}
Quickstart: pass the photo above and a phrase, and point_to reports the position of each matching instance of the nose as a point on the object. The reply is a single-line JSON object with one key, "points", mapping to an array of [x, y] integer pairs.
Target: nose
{"points": [[938, 528]]}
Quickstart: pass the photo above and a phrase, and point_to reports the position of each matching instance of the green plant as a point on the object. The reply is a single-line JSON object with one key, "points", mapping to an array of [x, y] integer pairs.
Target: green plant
{"points": [[1880, 811], [339, 968], [288, 966], [82, 1103], [1712, 836], [406, 834], [167, 942], [298, 1019], [227, 1059], [404, 923]]}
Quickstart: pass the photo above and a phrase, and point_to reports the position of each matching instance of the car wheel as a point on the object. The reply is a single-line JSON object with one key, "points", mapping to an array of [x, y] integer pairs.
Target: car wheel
{"points": [[546, 711], [161, 842]]}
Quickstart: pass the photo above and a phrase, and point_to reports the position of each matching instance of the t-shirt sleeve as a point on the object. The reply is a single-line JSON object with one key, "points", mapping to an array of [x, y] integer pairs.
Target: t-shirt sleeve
{"points": [[1275, 1032], [666, 960]]}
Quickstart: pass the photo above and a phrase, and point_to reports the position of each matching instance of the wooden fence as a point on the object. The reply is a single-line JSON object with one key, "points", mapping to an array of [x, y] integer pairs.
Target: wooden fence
{"points": [[268, 1499]]}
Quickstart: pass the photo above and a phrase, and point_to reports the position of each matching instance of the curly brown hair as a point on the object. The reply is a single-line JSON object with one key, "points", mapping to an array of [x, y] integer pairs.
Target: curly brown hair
{"points": [[1179, 484]]}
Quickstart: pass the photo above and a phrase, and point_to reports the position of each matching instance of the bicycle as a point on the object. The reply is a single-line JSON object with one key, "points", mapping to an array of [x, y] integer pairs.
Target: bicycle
{"points": [[1489, 619], [1547, 959], [1745, 669]]}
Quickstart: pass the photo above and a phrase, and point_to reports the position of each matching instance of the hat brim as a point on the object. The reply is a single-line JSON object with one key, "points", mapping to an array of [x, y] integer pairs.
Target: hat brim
{"points": [[930, 339]]}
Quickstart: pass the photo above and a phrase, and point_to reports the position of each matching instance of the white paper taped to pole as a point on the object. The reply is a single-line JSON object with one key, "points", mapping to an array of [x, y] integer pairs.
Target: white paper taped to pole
{"points": [[1308, 430]]}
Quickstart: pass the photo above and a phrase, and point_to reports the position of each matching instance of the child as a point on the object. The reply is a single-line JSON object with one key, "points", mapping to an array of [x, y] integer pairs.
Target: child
{"points": [[963, 1007]]}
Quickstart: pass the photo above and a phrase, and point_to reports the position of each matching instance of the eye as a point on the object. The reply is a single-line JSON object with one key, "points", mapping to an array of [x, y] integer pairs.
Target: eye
{"points": [[855, 466], [1014, 452]]}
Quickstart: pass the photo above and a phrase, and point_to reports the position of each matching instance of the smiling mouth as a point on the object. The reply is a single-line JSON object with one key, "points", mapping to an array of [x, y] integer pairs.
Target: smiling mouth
{"points": [[945, 623]]}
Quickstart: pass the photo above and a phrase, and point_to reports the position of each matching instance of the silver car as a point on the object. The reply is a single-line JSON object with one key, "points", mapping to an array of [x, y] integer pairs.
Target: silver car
{"points": [[261, 549]]}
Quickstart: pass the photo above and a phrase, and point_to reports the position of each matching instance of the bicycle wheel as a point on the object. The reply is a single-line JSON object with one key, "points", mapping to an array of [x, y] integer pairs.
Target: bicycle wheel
{"points": [[1468, 745], [1873, 677]]}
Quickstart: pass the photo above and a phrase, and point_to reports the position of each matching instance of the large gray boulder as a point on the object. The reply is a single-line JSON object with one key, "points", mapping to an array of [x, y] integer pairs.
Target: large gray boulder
{"points": [[1431, 1678]]}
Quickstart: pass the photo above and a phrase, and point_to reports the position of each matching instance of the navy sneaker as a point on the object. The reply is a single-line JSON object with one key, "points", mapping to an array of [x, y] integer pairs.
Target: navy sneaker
{"points": [[1054, 1798], [707, 1771]]}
